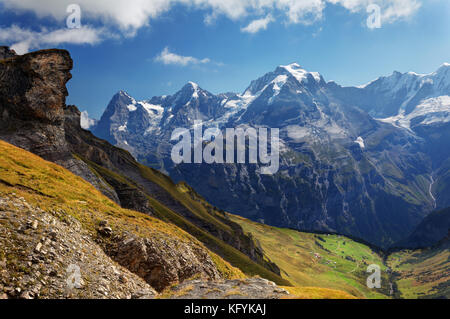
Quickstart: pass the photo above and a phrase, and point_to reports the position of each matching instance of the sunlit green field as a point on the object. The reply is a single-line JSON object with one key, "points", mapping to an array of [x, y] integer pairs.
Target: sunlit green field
{"points": [[326, 261]]}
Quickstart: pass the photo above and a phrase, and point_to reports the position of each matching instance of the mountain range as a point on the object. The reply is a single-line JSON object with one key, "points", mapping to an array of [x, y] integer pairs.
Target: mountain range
{"points": [[369, 162]]}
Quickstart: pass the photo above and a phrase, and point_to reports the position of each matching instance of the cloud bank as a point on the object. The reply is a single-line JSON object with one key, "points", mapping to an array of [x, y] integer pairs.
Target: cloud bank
{"points": [[258, 25], [130, 16], [24, 40]]}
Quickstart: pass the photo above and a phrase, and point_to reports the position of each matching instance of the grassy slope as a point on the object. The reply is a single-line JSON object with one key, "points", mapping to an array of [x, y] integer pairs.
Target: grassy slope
{"points": [[294, 252], [422, 273], [53, 188]]}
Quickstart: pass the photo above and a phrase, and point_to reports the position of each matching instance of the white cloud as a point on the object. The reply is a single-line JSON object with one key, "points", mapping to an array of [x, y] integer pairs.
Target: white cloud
{"points": [[23, 40], [85, 121], [305, 12], [258, 25], [167, 57]]}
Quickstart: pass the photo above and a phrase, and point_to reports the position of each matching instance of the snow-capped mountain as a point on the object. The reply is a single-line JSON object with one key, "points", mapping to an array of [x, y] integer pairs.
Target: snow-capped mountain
{"points": [[405, 99], [357, 160]]}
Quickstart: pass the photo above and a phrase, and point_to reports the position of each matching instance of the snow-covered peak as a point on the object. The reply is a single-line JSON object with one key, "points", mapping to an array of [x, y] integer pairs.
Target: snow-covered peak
{"points": [[191, 88], [279, 77], [299, 73], [124, 94], [193, 84]]}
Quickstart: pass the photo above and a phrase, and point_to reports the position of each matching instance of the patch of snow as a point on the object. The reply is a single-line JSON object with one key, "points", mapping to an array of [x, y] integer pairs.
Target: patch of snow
{"points": [[360, 142], [152, 109], [132, 107], [433, 110], [278, 83], [296, 132], [123, 128], [195, 87]]}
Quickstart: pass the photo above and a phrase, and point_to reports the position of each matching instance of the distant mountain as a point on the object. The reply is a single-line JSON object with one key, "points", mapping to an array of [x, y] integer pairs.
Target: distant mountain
{"points": [[404, 99], [346, 165]]}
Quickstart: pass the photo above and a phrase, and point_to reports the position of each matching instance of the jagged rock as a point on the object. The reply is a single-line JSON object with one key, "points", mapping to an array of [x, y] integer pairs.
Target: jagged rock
{"points": [[38, 248], [32, 102], [163, 261]]}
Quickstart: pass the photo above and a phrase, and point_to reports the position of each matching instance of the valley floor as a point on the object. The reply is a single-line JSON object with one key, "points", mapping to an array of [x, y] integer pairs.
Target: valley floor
{"points": [[337, 262]]}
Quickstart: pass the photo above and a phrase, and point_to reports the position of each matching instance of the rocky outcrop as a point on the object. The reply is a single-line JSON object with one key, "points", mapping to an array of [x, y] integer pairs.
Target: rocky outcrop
{"points": [[159, 261], [32, 101], [34, 85]]}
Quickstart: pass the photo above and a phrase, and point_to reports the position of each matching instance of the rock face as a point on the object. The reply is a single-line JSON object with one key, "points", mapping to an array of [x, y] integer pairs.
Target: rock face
{"points": [[157, 261], [35, 85], [32, 99]]}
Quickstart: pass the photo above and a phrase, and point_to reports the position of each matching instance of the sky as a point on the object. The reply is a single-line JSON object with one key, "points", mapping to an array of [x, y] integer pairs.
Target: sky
{"points": [[154, 47]]}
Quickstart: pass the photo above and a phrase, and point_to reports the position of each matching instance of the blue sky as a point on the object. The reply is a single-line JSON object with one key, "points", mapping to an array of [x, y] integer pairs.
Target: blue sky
{"points": [[201, 41]]}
